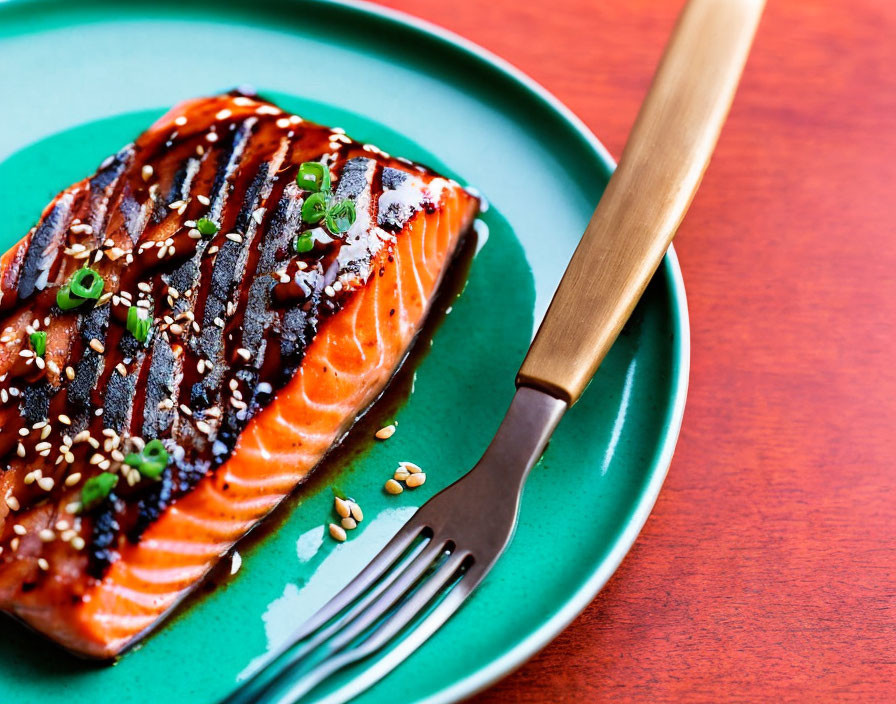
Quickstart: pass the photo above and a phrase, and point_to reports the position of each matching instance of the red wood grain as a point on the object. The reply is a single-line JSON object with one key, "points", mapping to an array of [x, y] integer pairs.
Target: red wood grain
{"points": [[767, 568]]}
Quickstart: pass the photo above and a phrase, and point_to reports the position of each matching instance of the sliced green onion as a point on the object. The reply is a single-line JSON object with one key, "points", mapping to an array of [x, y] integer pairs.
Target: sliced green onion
{"points": [[313, 176], [65, 300], [151, 462], [39, 343], [137, 325], [206, 227], [341, 217], [314, 209], [303, 243], [86, 283], [97, 489]]}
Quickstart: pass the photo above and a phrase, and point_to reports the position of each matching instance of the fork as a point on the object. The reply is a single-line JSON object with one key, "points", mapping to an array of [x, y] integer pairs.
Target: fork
{"points": [[424, 574]]}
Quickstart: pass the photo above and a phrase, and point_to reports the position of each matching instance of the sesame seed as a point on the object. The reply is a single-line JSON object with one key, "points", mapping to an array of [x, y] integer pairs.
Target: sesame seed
{"points": [[46, 483], [20, 450], [19, 529], [42, 446], [386, 433], [342, 507], [121, 369], [337, 533], [13, 503], [349, 523], [393, 487], [204, 200], [258, 215], [357, 513], [46, 535], [146, 172], [415, 480], [329, 291], [73, 479], [203, 427], [73, 508], [104, 465], [410, 467], [213, 249], [400, 475], [96, 458], [64, 419], [176, 329], [219, 322], [185, 409], [67, 535], [14, 544], [77, 542], [234, 237], [69, 373], [283, 122], [97, 346], [244, 353], [180, 121], [39, 362], [43, 564], [211, 137], [223, 114]]}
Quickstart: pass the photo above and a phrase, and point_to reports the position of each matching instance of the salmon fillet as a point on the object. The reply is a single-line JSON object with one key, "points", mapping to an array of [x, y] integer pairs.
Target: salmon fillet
{"points": [[206, 292]]}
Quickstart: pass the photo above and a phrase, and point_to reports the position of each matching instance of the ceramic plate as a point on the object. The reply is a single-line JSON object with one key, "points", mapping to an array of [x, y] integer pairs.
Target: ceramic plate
{"points": [[80, 78]]}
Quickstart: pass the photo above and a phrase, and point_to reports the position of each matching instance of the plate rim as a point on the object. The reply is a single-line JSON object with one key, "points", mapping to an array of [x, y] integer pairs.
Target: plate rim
{"points": [[514, 657]]}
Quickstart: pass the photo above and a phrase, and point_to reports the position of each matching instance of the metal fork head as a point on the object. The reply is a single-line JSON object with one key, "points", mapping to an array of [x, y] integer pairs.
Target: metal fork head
{"points": [[464, 529]]}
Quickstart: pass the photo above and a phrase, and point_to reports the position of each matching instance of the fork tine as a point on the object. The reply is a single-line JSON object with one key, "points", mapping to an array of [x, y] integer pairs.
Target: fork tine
{"points": [[282, 659], [381, 635], [384, 560], [419, 635]]}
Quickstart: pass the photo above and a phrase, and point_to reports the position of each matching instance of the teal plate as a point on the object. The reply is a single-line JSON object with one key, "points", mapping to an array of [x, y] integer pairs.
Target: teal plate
{"points": [[80, 78]]}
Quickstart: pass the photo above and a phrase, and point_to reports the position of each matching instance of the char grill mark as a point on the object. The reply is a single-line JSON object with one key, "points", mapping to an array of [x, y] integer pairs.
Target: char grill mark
{"points": [[119, 399], [102, 187], [103, 537], [400, 200], [93, 325], [162, 381], [36, 402], [44, 247], [259, 316]]}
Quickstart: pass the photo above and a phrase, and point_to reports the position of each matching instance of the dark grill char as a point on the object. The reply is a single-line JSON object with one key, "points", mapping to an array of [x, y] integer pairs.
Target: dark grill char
{"points": [[89, 367], [103, 538], [160, 384], [44, 246]]}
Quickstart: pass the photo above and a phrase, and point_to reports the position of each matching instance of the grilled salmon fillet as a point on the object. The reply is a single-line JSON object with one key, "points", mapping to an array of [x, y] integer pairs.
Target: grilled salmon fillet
{"points": [[183, 336]]}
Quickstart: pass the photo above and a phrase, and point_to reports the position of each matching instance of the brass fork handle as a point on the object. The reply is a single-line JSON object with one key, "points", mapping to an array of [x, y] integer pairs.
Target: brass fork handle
{"points": [[659, 171]]}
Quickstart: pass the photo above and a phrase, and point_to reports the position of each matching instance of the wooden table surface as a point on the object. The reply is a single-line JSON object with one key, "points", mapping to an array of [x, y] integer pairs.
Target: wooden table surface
{"points": [[766, 570]]}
